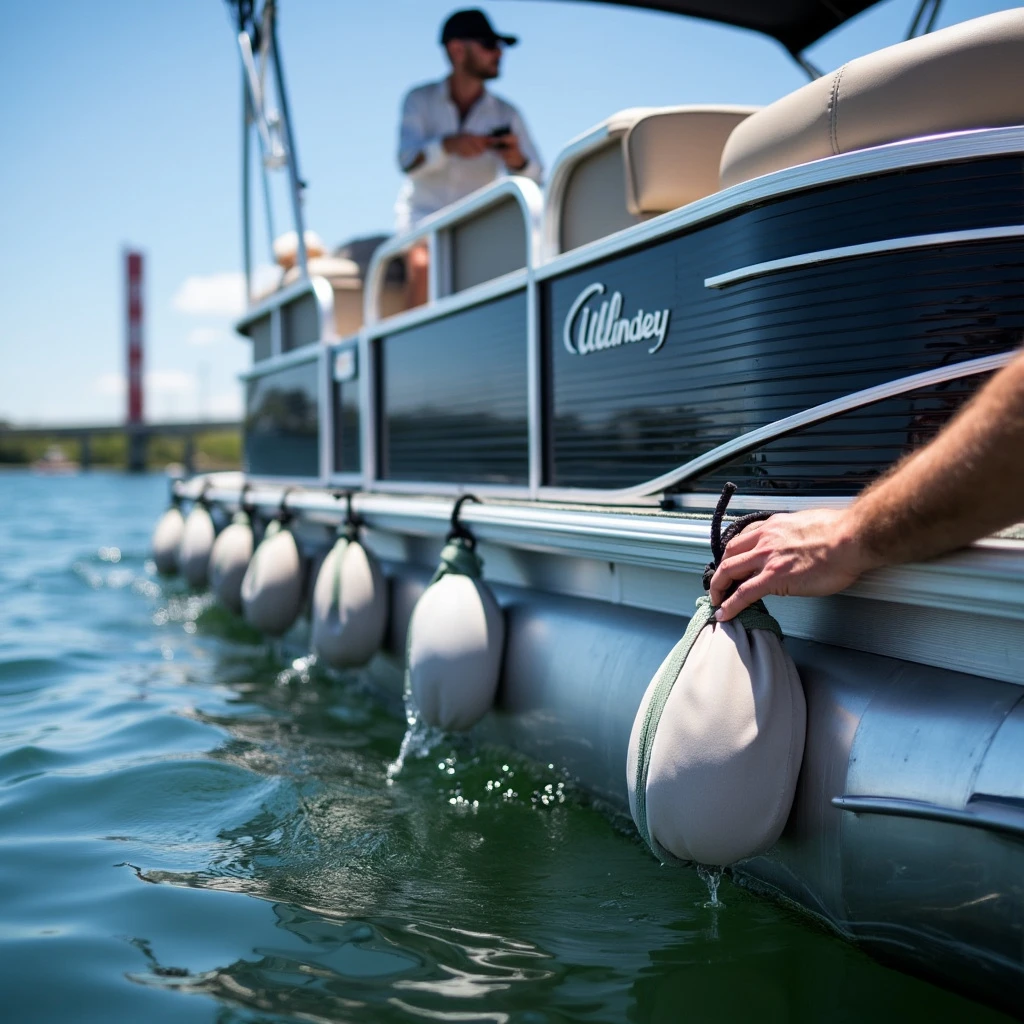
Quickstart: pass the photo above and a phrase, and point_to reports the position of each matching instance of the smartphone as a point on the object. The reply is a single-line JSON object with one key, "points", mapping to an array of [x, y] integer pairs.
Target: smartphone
{"points": [[504, 129]]}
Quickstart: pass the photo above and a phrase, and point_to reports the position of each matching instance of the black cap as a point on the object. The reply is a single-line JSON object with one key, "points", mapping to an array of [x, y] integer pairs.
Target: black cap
{"points": [[473, 24]]}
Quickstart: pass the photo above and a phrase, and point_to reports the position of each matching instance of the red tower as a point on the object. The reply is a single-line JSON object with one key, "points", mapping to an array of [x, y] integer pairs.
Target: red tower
{"points": [[133, 268]]}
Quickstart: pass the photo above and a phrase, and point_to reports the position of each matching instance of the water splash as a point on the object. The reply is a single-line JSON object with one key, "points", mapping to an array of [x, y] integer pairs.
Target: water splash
{"points": [[300, 671], [418, 741], [712, 878]]}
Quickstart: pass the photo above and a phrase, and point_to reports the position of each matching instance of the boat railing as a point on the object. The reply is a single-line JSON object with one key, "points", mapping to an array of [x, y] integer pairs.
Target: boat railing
{"points": [[483, 240]]}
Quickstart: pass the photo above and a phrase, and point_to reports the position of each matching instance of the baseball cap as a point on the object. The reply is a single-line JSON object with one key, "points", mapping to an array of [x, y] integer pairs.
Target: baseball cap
{"points": [[473, 24]]}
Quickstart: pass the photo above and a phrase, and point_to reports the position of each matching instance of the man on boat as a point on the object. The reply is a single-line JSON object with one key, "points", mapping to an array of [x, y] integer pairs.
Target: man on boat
{"points": [[966, 484], [456, 136]]}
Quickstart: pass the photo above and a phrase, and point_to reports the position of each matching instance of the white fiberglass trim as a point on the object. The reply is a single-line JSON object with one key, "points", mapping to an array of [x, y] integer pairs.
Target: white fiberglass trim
{"points": [[505, 285], [845, 252], [778, 428], [297, 356], [524, 191], [894, 156]]}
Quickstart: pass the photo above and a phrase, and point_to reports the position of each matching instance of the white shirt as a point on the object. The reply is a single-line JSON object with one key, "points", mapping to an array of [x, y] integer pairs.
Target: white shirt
{"points": [[428, 116]]}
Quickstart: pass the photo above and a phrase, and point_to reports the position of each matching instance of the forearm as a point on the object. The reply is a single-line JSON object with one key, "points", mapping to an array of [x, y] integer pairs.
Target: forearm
{"points": [[967, 484], [422, 155]]}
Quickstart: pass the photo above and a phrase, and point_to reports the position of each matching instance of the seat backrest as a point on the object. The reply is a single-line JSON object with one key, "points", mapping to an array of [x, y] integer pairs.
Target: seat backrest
{"points": [[637, 164], [962, 77], [487, 245]]}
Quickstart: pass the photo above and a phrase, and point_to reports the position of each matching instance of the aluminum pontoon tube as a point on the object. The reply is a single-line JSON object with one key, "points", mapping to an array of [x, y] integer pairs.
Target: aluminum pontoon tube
{"points": [[939, 896], [906, 830]]}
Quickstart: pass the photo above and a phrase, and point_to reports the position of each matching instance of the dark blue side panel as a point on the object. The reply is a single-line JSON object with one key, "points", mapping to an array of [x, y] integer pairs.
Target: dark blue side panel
{"points": [[453, 397]]}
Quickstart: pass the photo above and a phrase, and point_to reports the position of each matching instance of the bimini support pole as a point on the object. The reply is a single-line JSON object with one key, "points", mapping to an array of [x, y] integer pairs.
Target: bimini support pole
{"points": [[257, 45], [246, 205], [296, 183]]}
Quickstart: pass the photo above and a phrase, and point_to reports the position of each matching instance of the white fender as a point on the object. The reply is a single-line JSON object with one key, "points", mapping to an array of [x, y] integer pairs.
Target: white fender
{"points": [[167, 540], [350, 606], [272, 585], [727, 750], [456, 638], [196, 545], [229, 559]]}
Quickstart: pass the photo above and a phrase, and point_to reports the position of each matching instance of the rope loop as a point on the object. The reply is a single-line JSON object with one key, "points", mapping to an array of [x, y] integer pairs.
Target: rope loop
{"points": [[352, 521], [720, 538], [284, 514], [243, 504], [457, 529]]}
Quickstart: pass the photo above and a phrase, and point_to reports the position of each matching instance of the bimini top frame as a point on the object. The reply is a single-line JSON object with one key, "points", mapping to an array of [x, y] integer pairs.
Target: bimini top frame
{"points": [[796, 24], [260, 56]]}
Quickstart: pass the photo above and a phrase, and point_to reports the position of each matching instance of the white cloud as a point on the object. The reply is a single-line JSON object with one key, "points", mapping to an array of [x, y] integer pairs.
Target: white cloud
{"points": [[221, 294], [110, 385], [227, 405], [202, 336], [170, 382]]}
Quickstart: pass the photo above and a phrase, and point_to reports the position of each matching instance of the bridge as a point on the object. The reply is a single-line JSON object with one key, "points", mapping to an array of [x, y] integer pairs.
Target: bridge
{"points": [[138, 437]]}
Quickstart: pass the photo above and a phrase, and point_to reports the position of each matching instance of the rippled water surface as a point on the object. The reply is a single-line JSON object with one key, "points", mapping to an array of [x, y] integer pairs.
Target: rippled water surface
{"points": [[196, 827]]}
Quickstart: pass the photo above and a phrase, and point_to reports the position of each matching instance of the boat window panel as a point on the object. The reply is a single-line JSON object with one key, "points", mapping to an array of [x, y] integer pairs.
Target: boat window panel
{"points": [[261, 333], [346, 405], [453, 397], [282, 423], [741, 357], [300, 322]]}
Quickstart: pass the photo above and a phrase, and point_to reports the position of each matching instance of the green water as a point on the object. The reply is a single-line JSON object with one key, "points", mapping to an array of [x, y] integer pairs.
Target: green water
{"points": [[196, 827]]}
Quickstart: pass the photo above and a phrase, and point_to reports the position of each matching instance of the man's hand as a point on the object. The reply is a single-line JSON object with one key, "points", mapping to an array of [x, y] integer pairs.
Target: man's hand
{"points": [[466, 145], [509, 151], [804, 554]]}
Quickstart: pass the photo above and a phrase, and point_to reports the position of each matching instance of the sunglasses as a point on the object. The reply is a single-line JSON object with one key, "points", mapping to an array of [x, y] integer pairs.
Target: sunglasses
{"points": [[486, 44]]}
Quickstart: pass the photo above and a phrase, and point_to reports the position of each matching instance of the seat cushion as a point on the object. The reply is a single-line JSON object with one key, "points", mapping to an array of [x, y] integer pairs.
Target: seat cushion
{"points": [[959, 78], [672, 155], [653, 159]]}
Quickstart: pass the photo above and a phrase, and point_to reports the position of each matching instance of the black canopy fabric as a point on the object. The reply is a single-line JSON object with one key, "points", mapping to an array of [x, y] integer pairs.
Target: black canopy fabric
{"points": [[794, 23]]}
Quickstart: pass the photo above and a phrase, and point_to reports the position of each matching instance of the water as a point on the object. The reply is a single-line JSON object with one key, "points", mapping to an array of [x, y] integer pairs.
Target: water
{"points": [[194, 827]]}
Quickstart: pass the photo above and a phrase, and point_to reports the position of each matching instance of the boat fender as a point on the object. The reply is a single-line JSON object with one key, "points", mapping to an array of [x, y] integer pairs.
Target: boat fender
{"points": [[718, 740], [350, 601], [456, 638], [197, 542], [272, 585], [166, 541], [230, 557]]}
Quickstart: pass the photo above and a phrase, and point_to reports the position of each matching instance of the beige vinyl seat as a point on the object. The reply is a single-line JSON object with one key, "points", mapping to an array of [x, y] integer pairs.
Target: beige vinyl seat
{"points": [[963, 77], [637, 164], [345, 271]]}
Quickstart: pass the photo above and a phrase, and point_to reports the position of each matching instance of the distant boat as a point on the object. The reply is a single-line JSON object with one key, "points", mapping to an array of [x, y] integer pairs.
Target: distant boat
{"points": [[54, 462]]}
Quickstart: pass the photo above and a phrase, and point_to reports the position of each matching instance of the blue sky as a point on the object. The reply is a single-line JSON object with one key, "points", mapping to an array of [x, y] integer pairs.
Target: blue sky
{"points": [[122, 127]]}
